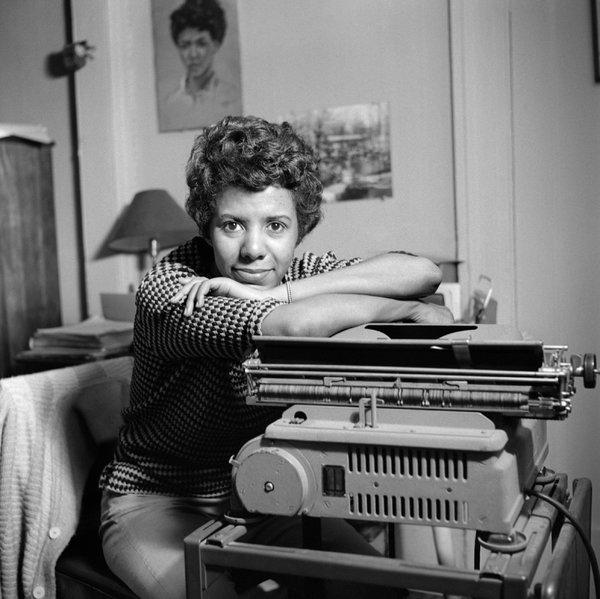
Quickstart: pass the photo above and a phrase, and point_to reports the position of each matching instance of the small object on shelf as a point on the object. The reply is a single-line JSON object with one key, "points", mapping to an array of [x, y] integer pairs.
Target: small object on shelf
{"points": [[118, 306], [483, 306]]}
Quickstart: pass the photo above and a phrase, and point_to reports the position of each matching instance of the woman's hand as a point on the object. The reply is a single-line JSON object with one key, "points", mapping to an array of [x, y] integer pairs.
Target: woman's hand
{"points": [[195, 289], [430, 314]]}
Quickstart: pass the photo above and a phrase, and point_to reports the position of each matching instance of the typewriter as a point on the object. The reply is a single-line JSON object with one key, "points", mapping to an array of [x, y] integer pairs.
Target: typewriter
{"points": [[405, 423], [440, 426]]}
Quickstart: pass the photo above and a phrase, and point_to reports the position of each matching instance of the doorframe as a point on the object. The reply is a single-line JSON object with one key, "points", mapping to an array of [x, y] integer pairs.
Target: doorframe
{"points": [[480, 39]]}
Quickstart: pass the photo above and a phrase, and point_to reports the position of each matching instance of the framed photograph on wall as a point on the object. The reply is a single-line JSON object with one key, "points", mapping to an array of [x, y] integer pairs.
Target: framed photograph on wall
{"points": [[197, 62], [353, 144], [596, 38]]}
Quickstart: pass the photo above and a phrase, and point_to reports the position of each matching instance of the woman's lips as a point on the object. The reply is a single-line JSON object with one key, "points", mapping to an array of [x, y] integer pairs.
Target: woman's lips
{"points": [[251, 275]]}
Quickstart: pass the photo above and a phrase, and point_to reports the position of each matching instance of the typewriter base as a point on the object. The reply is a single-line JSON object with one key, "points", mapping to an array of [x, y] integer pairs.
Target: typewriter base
{"points": [[501, 576]]}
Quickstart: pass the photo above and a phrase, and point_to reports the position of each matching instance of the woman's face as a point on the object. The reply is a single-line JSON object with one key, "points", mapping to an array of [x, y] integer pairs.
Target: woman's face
{"points": [[254, 234], [197, 50]]}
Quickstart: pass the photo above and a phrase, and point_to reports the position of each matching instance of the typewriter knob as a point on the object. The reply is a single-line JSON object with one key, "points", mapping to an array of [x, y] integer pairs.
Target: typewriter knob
{"points": [[589, 371], [272, 481]]}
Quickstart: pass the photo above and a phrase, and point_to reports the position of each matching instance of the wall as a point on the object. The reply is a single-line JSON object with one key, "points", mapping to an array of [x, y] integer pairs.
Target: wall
{"points": [[29, 31], [365, 50]]}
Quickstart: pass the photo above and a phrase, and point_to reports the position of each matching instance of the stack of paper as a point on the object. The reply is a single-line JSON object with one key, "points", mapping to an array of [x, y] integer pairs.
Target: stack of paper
{"points": [[96, 334]]}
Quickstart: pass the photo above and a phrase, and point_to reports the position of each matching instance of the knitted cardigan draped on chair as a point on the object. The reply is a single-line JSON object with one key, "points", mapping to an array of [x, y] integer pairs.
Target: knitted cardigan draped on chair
{"points": [[52, 423]]}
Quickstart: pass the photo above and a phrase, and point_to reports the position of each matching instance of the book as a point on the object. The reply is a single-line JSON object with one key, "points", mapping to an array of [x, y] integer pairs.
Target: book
{"points": [[94, 333]]}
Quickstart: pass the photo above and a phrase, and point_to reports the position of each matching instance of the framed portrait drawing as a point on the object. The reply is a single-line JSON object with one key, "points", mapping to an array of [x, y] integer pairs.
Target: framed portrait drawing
{"points": [[197, 62]]}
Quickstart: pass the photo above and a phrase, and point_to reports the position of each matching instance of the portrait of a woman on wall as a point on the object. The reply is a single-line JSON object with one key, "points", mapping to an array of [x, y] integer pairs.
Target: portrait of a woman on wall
{"points": [[197, 62]]}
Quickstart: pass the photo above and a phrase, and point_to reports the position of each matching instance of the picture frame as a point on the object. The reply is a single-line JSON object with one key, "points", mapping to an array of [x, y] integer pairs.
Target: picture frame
{"points": [[197, 62], [354, 148], [595, 10]]}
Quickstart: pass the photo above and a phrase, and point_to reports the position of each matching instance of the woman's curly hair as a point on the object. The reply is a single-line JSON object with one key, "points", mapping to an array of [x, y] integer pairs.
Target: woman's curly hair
{"points": [[253, 154]]}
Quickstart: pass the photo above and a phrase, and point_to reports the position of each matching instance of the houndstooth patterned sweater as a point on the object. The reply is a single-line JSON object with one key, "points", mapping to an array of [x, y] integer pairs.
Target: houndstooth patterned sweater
{"points": [[187, 414]]}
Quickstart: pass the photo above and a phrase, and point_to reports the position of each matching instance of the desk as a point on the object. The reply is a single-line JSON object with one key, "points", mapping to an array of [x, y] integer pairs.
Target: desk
{"points": [[501, 576]]}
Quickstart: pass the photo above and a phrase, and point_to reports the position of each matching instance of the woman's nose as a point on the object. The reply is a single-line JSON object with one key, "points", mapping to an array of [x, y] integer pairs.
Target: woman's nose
{"points": [[253, 246]]}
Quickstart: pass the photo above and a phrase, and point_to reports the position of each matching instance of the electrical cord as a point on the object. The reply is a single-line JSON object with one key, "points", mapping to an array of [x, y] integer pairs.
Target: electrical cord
{"points": [[588, 546]]}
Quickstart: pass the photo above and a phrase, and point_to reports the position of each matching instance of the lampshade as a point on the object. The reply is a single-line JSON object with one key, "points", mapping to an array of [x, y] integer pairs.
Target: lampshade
{"points": [[152, 218]]}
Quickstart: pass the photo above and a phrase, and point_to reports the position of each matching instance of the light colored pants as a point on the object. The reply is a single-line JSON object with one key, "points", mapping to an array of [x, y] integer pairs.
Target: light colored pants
{"points": [[142, 539]]}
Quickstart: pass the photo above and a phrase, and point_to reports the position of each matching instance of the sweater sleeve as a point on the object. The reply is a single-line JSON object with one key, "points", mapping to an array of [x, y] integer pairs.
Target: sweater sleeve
{"points": [[310, 264], [222, 328]]}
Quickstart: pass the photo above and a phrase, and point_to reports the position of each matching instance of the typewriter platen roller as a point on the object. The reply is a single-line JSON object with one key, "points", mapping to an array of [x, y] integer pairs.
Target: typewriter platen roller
{"points": [[442, 426], [455, 367]]}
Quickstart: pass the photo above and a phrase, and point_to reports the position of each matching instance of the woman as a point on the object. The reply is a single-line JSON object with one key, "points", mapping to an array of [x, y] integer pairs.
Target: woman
{"points": [[254, 194]]}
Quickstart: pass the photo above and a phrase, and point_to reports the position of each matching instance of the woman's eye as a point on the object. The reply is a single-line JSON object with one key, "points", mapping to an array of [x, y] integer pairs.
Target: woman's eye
{"points": [[230, 226], [276, 227]]}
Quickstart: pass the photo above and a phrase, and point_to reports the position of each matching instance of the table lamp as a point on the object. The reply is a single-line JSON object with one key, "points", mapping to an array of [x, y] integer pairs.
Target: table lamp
{"points": [[153, 221]]}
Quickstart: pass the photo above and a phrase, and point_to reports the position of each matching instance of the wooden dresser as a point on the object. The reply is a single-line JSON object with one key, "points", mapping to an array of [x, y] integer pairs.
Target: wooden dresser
{"points": [[29, 287]]}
